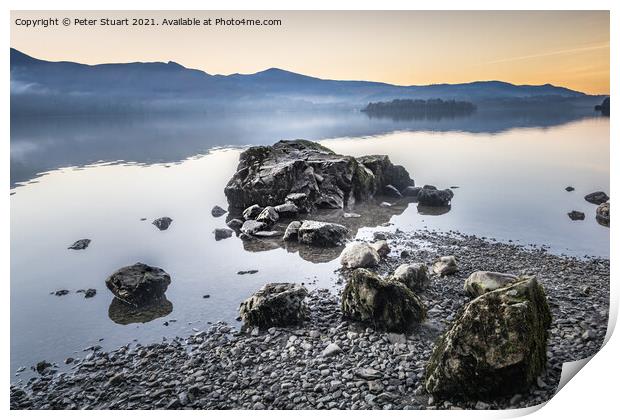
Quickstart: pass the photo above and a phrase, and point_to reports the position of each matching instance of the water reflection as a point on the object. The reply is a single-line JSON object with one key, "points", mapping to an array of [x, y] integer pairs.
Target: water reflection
{"points": [[57, 142], [124, 314], [367, 214], [433, 211]]}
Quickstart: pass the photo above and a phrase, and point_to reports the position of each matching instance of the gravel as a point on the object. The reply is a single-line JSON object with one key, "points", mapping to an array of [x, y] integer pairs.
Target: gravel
{"points": [[330, 363]]}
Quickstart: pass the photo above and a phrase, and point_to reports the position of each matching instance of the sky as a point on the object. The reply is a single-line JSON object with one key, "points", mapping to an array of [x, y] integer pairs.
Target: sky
{"points": [[564, 48]]}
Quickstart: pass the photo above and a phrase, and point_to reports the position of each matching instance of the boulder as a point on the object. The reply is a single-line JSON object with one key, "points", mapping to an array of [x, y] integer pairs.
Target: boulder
{"points": [[252, 212], [602, 214], [391, 191], [481, 282], [217, 211], [431, 196], [235, 224], [598, 197], [250, 227], [275, 305], [359, 255], [496, 346], [287, 209], [270, 175], [576, 215], [382, 248], [80, 244], [269, 216], [445, 266], [411, 191], [138, 284], [386, 304], [222, 233], [322, 233], [290, 234], [414, 276], [162, 223]]}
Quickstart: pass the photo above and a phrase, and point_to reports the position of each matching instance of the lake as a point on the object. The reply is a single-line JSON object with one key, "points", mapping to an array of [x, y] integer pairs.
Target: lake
{"points": [[97, 177]]}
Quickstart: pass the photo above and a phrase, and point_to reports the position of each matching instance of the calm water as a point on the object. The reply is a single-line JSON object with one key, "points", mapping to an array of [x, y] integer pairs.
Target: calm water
{"points": [[96, 178]]}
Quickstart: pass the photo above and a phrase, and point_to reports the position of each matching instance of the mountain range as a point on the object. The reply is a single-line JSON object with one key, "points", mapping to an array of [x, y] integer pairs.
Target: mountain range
{"points": [[44, 86]]}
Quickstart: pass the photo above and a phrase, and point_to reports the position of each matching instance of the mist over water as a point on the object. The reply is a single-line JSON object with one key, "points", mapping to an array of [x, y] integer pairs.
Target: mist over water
{"points": [[97, 177]]}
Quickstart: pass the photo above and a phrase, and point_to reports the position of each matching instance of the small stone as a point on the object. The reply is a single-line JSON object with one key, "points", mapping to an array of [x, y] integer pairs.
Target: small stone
{"points": [[162, 223], [80, 244], [217, 211]]}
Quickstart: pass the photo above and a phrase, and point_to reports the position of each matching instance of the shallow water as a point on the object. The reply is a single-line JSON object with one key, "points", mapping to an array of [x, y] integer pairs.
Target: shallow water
{"points": [[511, 177]]}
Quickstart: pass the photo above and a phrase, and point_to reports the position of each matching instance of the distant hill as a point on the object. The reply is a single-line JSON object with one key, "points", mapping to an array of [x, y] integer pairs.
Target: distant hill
{"points": [[43, 86]]}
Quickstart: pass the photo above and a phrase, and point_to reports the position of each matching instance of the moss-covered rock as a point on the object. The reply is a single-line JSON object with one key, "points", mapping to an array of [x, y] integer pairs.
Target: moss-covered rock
{"points": [[386, 304], [496, 346], [275, 305]]}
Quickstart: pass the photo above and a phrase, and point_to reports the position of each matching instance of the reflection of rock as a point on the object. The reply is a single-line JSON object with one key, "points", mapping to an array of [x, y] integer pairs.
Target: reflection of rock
{"points": [[602, 214], [433, 210], [268, 175], [369, 215], [124, 314]]}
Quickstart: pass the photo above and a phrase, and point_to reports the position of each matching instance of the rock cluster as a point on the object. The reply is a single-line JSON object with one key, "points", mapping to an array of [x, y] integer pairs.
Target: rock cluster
{"points": [[309, 175]]}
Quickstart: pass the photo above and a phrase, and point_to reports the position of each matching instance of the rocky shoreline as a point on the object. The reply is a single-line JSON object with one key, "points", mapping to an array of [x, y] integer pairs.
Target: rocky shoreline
{"points": [[331, 363]]}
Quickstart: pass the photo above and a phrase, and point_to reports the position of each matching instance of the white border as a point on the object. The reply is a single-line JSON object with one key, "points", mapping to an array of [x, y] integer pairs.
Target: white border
{"points": [[592, 394]]}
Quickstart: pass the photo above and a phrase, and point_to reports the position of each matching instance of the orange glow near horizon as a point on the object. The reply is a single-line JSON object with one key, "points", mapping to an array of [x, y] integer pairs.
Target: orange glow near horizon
{"points": [[564, 48]]}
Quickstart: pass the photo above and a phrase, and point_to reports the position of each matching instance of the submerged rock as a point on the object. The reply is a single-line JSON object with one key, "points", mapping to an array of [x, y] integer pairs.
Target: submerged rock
{"points": [[310, 176], [576, 215], [138, 284], [387, 304], [414, 276], [80, 244], [217, 211], [359, 255], [290, 234], [222, 233], [252, 212], [445, 266], [496, 346], [322, 233], [162, 223], [275, 305], [481, 282], [602, 214], [598, 197], [431, 196]]}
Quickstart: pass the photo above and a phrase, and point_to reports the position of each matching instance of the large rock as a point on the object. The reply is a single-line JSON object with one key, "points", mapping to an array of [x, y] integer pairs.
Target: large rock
{"points": [[269, 216], [275, 305], [138, 284], [359, 255], [322, 233], [496, 346], [310, 176], [431, 196], [252, 212], [290, 234], [481, 282], [598, 197], [602, 214], [387, 304], [414, 276]]}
